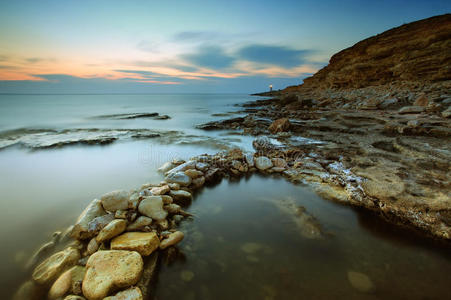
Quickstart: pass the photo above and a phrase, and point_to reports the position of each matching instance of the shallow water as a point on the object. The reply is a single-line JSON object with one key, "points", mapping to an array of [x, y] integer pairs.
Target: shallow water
{"points": [[242, 245]]}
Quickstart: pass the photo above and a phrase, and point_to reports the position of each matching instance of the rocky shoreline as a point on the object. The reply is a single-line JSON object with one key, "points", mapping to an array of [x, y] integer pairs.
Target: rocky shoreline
{"points": [[113, 249]]}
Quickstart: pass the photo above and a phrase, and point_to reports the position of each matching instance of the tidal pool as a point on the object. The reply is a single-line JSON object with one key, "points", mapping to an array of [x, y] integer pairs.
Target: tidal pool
{"points": [[265, 238]]}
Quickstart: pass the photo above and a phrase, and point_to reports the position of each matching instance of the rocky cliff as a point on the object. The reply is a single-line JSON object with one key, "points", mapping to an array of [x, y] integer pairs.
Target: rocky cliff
{"points": [[399, 65], [418, 51]]}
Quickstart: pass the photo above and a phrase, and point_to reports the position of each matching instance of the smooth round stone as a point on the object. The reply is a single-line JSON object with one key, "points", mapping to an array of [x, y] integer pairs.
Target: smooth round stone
{"points": [[361, 282], [179, 177], [111, 269], [113, 229], [65, 283], [115, 200], [172, 239], [263, 163], [142, 242], [152, 207], [53, 266], [193, 173], [140, 223]]}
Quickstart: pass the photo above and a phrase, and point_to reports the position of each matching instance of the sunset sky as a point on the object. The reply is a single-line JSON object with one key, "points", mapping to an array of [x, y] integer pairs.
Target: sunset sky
{"points": [[183, 46]]}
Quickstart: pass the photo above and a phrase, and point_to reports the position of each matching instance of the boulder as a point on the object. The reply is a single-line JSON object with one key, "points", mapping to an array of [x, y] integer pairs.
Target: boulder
{"points": [[142, 242], [74, 297], [53, 266], [113, 229], [115, 200], [279, 125], [152, 207], [133, 293], [263, 163], [179, 177], [172, 239], [93, 210], [111, 270]]}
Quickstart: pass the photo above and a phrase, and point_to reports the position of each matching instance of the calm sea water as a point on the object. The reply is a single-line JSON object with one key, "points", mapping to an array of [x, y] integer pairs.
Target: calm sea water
{"points": [[241, 245]]}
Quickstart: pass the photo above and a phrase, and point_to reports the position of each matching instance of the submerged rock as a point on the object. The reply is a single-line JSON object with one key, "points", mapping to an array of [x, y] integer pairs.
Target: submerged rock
{"points": [[93, 210], [142, 242], [29, 291], [361, 282], [152, 207], [186, 275], [53, 266], [109, 270]]}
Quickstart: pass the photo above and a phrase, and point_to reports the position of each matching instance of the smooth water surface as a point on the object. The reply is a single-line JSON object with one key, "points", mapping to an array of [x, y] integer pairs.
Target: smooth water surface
{"points": [[244, 244]]}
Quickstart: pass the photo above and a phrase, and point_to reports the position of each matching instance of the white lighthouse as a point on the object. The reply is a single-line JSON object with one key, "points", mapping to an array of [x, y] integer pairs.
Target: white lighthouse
{"points": [[270, 87]]}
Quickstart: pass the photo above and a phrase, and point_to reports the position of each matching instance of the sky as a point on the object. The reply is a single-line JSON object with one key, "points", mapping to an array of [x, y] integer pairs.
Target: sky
{"points": [[81, 46]]}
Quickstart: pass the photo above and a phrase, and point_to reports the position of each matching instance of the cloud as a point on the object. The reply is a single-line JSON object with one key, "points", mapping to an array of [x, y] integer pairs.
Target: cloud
{"points": [[211, 57], [195, 36], [274, 55]]}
